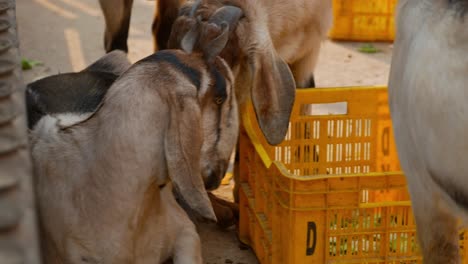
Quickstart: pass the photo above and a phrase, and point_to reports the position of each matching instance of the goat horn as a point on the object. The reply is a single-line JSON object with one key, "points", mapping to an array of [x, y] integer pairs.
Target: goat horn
{"points": [[227, 14], [191, 37], [214, 47], [194, 8]]}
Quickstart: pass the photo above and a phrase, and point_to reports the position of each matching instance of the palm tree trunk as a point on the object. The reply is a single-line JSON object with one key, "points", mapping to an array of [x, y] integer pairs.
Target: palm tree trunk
{"points": [[18, 224]]}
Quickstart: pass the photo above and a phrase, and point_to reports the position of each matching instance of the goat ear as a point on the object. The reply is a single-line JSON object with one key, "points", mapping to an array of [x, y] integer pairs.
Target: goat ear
{"points": [[115, 62], [227, 14], [182, 146], [215, 46], [190, 39], [273, 94]]}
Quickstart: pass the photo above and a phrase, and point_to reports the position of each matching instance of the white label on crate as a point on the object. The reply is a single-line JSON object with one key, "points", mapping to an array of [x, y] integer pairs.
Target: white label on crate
{"points": [[339, 108]]}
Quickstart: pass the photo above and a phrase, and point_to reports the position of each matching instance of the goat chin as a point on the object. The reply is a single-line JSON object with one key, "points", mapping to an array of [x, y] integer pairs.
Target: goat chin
{"points": [[428, 95]]}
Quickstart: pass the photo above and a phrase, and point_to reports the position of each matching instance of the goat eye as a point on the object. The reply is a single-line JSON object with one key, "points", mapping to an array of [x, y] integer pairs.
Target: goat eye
{"points": [[219, 100]]}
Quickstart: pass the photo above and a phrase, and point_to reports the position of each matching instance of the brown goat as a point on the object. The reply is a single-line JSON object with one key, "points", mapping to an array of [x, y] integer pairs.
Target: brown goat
{"points": [[102, 178], [268, 39], [273, 47], [270, 36]]}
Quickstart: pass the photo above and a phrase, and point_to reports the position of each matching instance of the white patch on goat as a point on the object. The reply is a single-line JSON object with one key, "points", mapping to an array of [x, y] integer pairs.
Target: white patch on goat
{"points": [[46, 126], [70, 119], [230, 77], [52, 123], [205, 79]]}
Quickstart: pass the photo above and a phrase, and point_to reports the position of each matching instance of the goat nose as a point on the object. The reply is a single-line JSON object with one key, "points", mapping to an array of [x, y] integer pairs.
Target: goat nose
{"points": [[213, 181]]}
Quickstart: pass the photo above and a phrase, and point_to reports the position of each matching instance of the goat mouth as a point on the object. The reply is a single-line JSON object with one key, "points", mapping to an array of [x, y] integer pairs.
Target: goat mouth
{"points": [[213, 180], [213, 176]]}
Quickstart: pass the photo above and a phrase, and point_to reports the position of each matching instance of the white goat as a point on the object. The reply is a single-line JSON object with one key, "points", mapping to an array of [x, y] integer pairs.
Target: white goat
{"points": [[101, 180], [428, 91]]}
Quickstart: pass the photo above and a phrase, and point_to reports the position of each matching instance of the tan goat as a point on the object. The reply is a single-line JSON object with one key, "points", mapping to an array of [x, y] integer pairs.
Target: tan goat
{"points": [[270, 36], [102, 178], [428, 91], [268, 40]]}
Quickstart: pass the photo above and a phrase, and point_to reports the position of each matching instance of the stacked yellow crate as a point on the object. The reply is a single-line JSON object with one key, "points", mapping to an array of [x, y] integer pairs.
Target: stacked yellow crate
{"points": [[363, 20]]}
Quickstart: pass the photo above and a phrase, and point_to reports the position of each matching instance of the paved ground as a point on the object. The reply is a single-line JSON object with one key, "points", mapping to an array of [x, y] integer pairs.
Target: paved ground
{"points": [[67, 35]]}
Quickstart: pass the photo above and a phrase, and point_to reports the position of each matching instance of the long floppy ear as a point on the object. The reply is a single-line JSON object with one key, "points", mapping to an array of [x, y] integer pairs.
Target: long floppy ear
{"points": [[273, 87], [227, 14], [182, 146], [115, 62], [273, 92]]}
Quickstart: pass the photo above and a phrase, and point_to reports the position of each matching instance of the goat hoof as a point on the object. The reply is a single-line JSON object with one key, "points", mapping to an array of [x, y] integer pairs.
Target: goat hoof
{"points": [[225, 218], [226, 212]]}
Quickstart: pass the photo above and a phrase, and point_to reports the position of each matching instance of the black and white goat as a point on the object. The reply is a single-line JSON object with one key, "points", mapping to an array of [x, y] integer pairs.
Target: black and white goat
{"points": [[74, 93], [102, 178]]}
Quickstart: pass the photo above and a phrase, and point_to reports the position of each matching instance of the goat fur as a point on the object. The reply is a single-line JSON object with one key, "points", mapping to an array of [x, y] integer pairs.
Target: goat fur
{"points": [[100, 177], [78, 92], [428, 95], [273, 38]]}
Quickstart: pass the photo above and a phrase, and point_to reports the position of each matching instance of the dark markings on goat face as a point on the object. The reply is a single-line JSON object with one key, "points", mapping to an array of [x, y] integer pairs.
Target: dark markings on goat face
{"points": [[453, 190], [169, 57], [220, 95], [219, 86], [224, 72]]}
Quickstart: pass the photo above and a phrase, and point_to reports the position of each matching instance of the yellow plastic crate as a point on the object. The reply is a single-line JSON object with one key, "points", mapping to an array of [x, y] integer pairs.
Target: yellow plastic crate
{"points": [[332, 192], [363, 20]]}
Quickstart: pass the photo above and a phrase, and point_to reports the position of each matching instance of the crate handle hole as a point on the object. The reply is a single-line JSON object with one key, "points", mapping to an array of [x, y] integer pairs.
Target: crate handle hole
{"points": [[338, 108]]}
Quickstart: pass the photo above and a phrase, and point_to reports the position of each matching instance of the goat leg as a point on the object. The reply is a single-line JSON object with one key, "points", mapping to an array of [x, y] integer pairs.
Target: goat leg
{"points": [[165, 14], [117, 16], [226, 212], [437, 229], [303, 74], [188, 247], [441, 244]]}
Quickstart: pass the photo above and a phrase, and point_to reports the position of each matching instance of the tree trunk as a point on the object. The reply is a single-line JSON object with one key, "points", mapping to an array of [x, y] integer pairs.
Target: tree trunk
{"points": [[18, 222]]}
